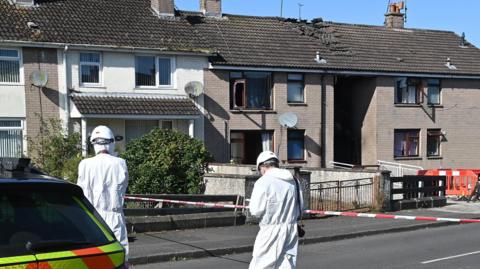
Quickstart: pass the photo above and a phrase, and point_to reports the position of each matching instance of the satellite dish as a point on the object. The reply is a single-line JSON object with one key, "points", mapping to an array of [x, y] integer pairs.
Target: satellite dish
{"points": [[288, 119], [39, 78], [194, 88]]}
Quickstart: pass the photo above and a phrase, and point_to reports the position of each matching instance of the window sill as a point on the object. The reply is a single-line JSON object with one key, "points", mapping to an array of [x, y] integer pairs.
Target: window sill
{"points": [[408, 105], [253, 111], [434, 157], [407, 158], [435, 106], [296, 161], [297, 104], [11, 84], [83, 86]]}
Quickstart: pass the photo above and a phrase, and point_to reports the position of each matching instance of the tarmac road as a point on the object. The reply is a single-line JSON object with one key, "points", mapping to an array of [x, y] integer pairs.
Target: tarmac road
{"points": [[456, 246]]}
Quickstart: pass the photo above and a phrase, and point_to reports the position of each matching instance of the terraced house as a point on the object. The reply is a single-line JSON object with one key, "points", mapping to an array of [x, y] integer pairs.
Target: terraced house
{"points": [[123, 63], [359, 93]]}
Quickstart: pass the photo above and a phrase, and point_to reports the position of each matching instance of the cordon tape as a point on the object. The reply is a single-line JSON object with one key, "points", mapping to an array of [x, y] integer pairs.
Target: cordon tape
{"points": [[315, 212]]}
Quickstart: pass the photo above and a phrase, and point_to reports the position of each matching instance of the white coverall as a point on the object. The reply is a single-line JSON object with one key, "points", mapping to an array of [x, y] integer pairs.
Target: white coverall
{"points": [[274, 202], [104, 180]]}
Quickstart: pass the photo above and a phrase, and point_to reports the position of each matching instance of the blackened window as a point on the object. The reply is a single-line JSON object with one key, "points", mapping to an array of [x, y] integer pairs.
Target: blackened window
{"points": [[251, 90], [406, 143], [434, 138]]}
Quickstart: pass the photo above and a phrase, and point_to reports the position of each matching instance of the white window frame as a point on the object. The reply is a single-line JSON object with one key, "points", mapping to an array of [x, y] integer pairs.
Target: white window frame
{"points": [[100, 70], [157, 72], [21, 128], [20, 59]]}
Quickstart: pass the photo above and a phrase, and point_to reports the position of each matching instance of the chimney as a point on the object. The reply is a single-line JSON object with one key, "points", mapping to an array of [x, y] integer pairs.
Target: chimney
{"points": [[163, 7], [394, 19], [211, 7]]}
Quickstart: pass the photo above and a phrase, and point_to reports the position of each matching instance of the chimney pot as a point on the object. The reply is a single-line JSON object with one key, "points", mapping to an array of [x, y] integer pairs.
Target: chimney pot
{"points": [[394, 18], [163, 7], [211, 7]]}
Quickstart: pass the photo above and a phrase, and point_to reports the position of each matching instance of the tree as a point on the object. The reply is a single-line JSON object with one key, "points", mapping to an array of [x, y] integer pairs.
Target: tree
{"points": [[55, 152], [166, 161]]}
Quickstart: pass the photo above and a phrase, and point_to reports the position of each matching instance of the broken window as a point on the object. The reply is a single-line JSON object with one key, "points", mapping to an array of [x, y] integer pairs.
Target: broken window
{"points": [[251, 90], [434, 137], [246, 145], [408, 91], [406, 143]]}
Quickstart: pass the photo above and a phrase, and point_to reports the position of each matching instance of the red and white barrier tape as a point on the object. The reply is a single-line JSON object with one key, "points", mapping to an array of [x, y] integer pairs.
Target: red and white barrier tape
{"points": [[215, 205], [317, 212]]}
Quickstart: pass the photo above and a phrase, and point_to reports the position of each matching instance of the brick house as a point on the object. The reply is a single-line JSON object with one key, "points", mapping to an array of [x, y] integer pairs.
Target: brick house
{"points": [[121, 63], [361, 93]]}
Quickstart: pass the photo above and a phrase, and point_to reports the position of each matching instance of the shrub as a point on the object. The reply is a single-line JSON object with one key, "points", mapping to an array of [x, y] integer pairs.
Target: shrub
{"points": [[166, 161], [54, 152]]}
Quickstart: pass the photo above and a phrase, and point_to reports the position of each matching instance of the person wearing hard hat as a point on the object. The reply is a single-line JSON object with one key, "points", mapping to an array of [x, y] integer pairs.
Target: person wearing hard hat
{"points": [[104, 180], [274, 201]]}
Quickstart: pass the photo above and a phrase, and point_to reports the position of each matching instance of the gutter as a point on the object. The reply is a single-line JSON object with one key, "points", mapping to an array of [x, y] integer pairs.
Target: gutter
{"points": [[339, 72], [199, 52]]}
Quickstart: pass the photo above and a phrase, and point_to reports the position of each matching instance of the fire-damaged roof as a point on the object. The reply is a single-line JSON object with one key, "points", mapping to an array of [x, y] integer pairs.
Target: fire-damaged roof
{"points": [[134, 104], [243, 41]]}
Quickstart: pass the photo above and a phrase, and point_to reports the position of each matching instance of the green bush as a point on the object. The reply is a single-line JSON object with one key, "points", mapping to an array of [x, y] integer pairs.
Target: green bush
{"points": [[54, 152], [166, 161]]}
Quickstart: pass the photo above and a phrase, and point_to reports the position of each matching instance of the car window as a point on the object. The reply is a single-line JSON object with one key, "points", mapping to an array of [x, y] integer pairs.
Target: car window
{"points": [[42, 216]]}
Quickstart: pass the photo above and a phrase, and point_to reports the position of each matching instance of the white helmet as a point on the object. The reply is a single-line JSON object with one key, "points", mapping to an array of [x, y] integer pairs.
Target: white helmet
{"points": [[265, 156], [102, 139]]}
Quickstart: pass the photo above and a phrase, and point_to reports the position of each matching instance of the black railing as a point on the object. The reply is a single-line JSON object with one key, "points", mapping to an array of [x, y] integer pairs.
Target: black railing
{"points": [[417, 191], [342, 195]]}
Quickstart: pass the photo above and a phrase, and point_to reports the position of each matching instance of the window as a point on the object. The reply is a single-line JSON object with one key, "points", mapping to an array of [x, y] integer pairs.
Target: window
{"points": [[152, 71], [407, 91], [246, 145], [251, 90], [11, 138], [406, 143], [433, 91], [28, 214], [90, 66], [296, 145], [434, 137], [9, 66], [295, 88]]}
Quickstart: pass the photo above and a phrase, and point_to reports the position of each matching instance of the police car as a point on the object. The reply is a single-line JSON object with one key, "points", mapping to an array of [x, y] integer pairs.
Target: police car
{"points": [[47, 223]]}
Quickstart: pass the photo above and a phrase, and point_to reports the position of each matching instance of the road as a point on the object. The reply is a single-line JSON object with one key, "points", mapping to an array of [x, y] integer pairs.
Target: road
{"points": [[449, 247]]}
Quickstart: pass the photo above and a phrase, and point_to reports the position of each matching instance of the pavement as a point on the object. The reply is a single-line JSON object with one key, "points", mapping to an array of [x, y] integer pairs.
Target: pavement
{"points": [[148, 248]]}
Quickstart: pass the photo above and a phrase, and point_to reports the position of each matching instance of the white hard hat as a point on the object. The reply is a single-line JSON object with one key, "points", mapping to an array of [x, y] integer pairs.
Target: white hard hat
{"points": [[102, 133], [265, 156]]}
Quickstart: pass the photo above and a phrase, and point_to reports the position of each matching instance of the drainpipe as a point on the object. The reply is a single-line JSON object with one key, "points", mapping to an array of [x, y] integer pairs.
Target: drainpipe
{"points": [[323, 130], [67, 95]]}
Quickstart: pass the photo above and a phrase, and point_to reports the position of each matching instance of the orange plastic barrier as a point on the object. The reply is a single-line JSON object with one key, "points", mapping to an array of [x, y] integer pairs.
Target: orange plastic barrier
{"points": [[460, 182]]}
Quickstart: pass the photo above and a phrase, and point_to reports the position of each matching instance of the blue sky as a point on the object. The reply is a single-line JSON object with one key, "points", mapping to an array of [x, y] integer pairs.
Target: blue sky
{"points": [[457, 16]]}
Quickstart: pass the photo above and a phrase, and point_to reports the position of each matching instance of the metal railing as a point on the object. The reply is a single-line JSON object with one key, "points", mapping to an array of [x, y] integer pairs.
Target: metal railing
{"points": [[340, 165], [399, 169], [342, 195]]}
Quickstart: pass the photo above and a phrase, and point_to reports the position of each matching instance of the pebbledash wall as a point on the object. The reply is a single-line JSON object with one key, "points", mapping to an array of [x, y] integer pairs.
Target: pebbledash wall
{"points": [[456, 116], [220, 119]]}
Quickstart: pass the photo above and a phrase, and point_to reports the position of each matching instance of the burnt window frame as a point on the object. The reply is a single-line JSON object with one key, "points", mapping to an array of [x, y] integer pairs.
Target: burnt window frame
{"points": [[240, 77]]}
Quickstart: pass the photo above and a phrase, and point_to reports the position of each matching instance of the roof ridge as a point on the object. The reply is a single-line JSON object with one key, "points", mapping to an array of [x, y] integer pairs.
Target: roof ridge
{"points": [[384, 28]]}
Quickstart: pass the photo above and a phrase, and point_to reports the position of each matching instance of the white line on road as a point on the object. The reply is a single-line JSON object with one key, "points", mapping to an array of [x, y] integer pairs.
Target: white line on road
{"points": [[451, 257]]}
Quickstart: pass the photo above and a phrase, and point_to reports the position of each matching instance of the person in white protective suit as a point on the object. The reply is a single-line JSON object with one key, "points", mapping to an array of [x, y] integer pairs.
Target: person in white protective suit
{"points": [[104, 180], [274, 201]]}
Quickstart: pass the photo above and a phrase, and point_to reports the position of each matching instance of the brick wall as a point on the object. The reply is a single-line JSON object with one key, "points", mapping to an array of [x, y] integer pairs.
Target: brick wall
{"points": [[220, 120], [456, 117], [40, 102]]}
